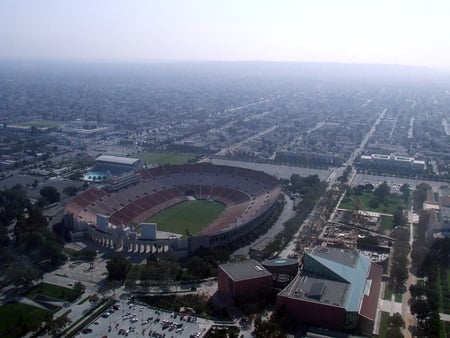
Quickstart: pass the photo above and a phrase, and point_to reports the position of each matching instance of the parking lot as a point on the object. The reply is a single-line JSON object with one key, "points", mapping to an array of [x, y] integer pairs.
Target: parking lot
{"points": [[126, 319], [394, 182]]}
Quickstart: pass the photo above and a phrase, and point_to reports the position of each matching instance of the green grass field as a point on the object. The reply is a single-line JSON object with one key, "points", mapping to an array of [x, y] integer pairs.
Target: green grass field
{"points": [[387, 293], [384, 324], [53, 291], [17, 319], [398, 297], [190, 215], [392, 203], [165, 158], [387, 222], [40, 124]]}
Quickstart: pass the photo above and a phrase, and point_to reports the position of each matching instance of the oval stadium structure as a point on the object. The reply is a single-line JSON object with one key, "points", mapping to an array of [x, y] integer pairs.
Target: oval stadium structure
{"points": [[104, 214]]}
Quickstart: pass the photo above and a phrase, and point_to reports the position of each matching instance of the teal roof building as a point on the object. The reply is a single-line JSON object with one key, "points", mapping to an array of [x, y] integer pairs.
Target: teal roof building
{"points": [[336, 289]]}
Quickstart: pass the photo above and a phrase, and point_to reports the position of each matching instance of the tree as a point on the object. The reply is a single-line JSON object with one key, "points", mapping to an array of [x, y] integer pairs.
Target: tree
{"points": [[394, 332], [88, 254], [399, 218], [50, 193], [406, 191], [397, 320], [421, 309], [79, 287], [199, 267], [382, 191], [22, 273], [118, 268], [94, 298], [55, 326], [70, 190], [420, 195], [434, 324]]}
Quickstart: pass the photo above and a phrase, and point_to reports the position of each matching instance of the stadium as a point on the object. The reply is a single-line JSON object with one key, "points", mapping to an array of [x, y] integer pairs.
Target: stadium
{"points": [[112, 216]]}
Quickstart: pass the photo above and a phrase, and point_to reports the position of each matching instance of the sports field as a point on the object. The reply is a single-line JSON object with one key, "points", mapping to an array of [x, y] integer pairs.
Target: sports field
{"points": [[165, 158], [190, 215], [39, 124]]}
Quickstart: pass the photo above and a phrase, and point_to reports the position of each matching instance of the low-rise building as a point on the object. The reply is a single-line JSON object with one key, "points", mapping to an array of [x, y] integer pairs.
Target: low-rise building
{"points": [[245, 281]]}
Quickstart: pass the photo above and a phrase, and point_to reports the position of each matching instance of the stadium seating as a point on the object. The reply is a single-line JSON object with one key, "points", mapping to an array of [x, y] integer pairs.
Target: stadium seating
{"points": [[245, 193]]}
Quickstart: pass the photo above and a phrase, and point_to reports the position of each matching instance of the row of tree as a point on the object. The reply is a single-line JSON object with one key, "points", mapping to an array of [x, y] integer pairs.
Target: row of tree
{"points": [[429, 257], [399, 259], [166, 268], [310, 189], [31, 247]]}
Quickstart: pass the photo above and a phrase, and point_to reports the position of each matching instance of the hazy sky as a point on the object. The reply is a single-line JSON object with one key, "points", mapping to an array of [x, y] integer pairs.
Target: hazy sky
{"points": [[356, 31]]}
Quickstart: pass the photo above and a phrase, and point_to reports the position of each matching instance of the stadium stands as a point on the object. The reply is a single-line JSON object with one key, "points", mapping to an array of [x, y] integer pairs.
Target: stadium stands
{"points": [[247, 194]]}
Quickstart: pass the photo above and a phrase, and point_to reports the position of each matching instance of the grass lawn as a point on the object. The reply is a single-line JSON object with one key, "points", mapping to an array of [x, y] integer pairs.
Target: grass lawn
{"points": [[442, 329], [386, 222], [384, 324], [444, 286], [387, 293], [165, 158], [398, 297], [17, 319], [392, 203], [54, 291], [40, 124], [190, 215]]}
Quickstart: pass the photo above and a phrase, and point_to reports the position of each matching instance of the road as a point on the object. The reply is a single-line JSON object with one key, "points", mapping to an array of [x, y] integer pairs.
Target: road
{"points": [[285, 215], [408, 317], [224, 151]]}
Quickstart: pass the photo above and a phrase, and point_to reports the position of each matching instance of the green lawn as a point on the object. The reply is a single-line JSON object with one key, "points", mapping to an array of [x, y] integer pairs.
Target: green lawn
{"points": [[54, 291], [17, 319], [444, 286], [384, 324], [190, 215], [442, 329], [40, 124], [386, 222], [165, 158], [392, 203], [398, 297], [387, 293]]}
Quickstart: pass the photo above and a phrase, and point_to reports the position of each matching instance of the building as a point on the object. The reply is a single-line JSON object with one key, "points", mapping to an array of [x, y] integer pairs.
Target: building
{"points": [[336, 289], [245, 281], [133, 198], [444, 202], [391, 162], [283, 270], [439, 212], [117, 165]]}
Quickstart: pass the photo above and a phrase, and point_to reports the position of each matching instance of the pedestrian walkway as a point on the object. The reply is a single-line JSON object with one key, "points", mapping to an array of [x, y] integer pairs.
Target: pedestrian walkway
{"points": [[445, 317]]}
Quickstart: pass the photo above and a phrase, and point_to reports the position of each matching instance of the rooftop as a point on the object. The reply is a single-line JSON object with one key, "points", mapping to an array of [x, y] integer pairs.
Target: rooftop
{"points": [[340, 256], [309, 287], [280, 261], [117, 159], [244, 270], [346, 291]]}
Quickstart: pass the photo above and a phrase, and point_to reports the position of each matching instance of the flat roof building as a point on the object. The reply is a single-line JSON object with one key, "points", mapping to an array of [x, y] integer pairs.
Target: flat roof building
{"points": [[392, 161], [245, 281], [117, 165]]}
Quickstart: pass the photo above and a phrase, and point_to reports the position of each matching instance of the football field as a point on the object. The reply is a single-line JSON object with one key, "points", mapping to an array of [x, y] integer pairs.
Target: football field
{"points": [[192, 216]]}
